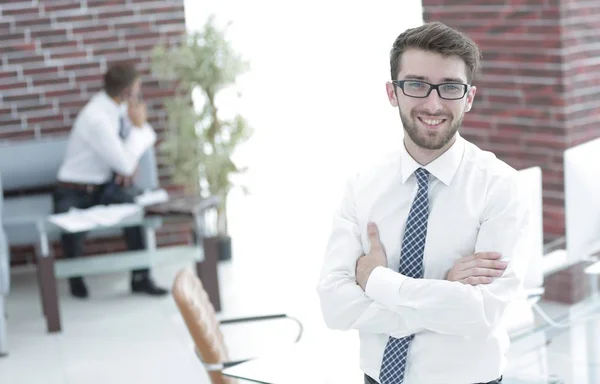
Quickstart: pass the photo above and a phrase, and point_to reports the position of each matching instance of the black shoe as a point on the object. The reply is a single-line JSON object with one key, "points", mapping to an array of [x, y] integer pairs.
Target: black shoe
{"points": [[78, 288], [147, 286]]}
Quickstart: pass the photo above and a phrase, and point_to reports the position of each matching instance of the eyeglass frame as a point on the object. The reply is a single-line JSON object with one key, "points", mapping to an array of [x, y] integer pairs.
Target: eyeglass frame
{"points": [[400, 84]]}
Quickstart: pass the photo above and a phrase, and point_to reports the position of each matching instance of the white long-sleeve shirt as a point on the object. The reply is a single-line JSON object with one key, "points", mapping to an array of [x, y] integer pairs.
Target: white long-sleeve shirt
{"points": [[95, 149], [474, 207]]}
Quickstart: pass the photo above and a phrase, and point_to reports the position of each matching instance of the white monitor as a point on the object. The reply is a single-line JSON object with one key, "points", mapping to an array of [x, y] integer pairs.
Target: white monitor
{"points": [[531, 191], [582, 200]]}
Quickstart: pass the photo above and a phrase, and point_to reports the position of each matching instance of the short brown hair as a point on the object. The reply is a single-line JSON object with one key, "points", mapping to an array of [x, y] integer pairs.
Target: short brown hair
{"points": [[439, 38], [118, 77]]}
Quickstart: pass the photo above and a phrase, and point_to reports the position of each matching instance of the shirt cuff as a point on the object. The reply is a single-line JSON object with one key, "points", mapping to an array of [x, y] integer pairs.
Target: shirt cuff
{"points": [[383, 286], [140, 140]]}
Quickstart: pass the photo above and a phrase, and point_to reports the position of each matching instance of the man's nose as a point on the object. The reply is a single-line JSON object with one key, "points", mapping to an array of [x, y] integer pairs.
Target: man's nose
{"points": [[433, 102]]}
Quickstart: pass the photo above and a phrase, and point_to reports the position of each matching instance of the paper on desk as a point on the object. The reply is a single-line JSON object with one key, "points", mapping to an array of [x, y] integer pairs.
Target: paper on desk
{"points": [[79, 220], [152, 197], [107, 215], [72, 222]]}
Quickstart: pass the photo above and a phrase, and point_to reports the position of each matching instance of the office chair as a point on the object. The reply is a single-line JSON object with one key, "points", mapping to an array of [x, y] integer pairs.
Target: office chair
{"points": [[200, 319]]}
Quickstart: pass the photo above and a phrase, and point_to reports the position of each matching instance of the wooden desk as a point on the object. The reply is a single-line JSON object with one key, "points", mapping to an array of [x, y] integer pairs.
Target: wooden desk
{"points": [[205, 258]]}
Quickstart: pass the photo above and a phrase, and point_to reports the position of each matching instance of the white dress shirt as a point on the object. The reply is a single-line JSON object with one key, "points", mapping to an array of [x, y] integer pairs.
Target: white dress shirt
{"points": [[95, 149], [474, 207]]}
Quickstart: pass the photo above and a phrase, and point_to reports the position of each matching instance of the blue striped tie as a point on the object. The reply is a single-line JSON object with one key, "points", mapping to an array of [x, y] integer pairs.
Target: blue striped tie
{"points": [[411, 265]]}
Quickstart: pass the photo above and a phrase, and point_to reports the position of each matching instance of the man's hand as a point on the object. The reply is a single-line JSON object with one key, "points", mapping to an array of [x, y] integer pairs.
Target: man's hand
{"points": [[137, 114], [376, 257], [479, 268], [126, 181]]}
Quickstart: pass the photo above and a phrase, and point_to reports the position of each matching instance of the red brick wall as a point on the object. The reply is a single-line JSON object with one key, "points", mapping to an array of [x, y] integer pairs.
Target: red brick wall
{"points": [[539, 85], [53, 55]]}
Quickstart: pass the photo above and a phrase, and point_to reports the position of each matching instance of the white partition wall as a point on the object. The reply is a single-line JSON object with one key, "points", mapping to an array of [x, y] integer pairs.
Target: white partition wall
{"points": [[582, 200], [531, 190]]}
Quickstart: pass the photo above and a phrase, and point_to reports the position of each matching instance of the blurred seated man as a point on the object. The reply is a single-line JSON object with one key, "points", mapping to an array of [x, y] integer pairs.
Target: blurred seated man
{"points": [[108, 138]]}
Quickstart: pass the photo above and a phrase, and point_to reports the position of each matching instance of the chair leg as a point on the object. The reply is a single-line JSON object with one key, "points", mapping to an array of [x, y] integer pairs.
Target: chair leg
{"points": [[3, 333], [41, 289], [50, 294], [207, 271]]}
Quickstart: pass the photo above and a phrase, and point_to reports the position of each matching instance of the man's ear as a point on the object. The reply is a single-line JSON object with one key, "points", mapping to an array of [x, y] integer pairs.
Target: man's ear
{"points": [[390, 89], [470, 98]]}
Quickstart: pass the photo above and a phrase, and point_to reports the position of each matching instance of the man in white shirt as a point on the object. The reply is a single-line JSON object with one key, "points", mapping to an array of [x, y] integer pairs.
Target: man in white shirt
{"points": [[427, 248], [107, 140]]}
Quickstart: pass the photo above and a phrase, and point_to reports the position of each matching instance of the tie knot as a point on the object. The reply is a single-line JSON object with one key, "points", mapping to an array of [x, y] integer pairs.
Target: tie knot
{"points": [[422, 177]]}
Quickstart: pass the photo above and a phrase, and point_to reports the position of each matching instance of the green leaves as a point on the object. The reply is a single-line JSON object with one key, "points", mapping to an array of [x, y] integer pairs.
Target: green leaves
{"points": [[199, 145]]}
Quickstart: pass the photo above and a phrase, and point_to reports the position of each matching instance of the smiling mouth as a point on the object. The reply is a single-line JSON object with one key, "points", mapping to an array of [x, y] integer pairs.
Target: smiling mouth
{"points": [[429, 122]]}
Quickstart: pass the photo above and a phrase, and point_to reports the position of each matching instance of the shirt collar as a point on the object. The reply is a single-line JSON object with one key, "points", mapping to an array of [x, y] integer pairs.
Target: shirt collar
{"points": [[110, 102], [443, 168]]}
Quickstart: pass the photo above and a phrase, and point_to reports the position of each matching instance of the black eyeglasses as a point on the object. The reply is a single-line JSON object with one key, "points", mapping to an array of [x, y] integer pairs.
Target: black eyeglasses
{"points": [[422, 89]]}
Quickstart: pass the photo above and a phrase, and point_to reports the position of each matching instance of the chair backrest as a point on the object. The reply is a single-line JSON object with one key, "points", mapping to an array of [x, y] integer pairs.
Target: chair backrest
{"points": [[37, 165], [531, 191], [199, 316], [40, 160]]}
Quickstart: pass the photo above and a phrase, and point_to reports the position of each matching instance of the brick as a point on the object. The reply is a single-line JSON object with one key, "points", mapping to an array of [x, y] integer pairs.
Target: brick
{"points": [[60, 91], [90, 29], [111, 13], [34, 108], [41, 70], [13, 38], [83, 66], [546, 141], [68, 55], [92, 4], [12, 85], [57, 131], [26, 10], [39, 81], [17, 134], [111, 51], [76, 104], [55, 125], [100, 37], [128, 24], [57, 5], [45, 33], [17, 97], [44, 117], [152, 8], [6, 27], [70, 19], [97, 77], [53, 44]]}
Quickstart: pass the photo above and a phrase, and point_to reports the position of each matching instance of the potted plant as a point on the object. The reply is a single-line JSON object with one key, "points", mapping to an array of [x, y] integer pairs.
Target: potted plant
{"points": [[199, 141]]}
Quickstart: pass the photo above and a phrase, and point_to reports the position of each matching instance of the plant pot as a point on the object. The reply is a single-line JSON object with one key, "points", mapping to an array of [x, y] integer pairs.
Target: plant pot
{"points": [[224, 243]]}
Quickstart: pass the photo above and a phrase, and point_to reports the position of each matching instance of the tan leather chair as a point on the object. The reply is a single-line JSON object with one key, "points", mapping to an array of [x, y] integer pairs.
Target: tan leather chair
{"points": [[199, 316]]}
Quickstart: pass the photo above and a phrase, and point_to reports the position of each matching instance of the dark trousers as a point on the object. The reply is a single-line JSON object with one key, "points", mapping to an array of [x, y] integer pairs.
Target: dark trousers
{"points": [[66, 198], [369, 380]]}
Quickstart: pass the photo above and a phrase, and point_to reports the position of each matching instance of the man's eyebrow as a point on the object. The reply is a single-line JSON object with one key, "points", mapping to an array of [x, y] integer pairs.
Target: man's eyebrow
{"points": [[444, 80], [452, 80]]}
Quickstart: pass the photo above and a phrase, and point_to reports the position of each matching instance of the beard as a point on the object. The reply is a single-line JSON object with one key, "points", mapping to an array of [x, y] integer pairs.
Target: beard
{"points": [[433, 139]]}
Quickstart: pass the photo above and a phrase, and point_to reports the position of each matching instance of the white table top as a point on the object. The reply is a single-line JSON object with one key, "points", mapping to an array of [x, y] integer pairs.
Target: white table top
{"points": [[327, 361]]}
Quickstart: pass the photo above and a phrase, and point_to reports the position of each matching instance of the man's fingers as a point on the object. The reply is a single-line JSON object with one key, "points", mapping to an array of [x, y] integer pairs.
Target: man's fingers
{"points": [[476, 280], [482, 256], [485, 272], [483, 263], [373, 233]]}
